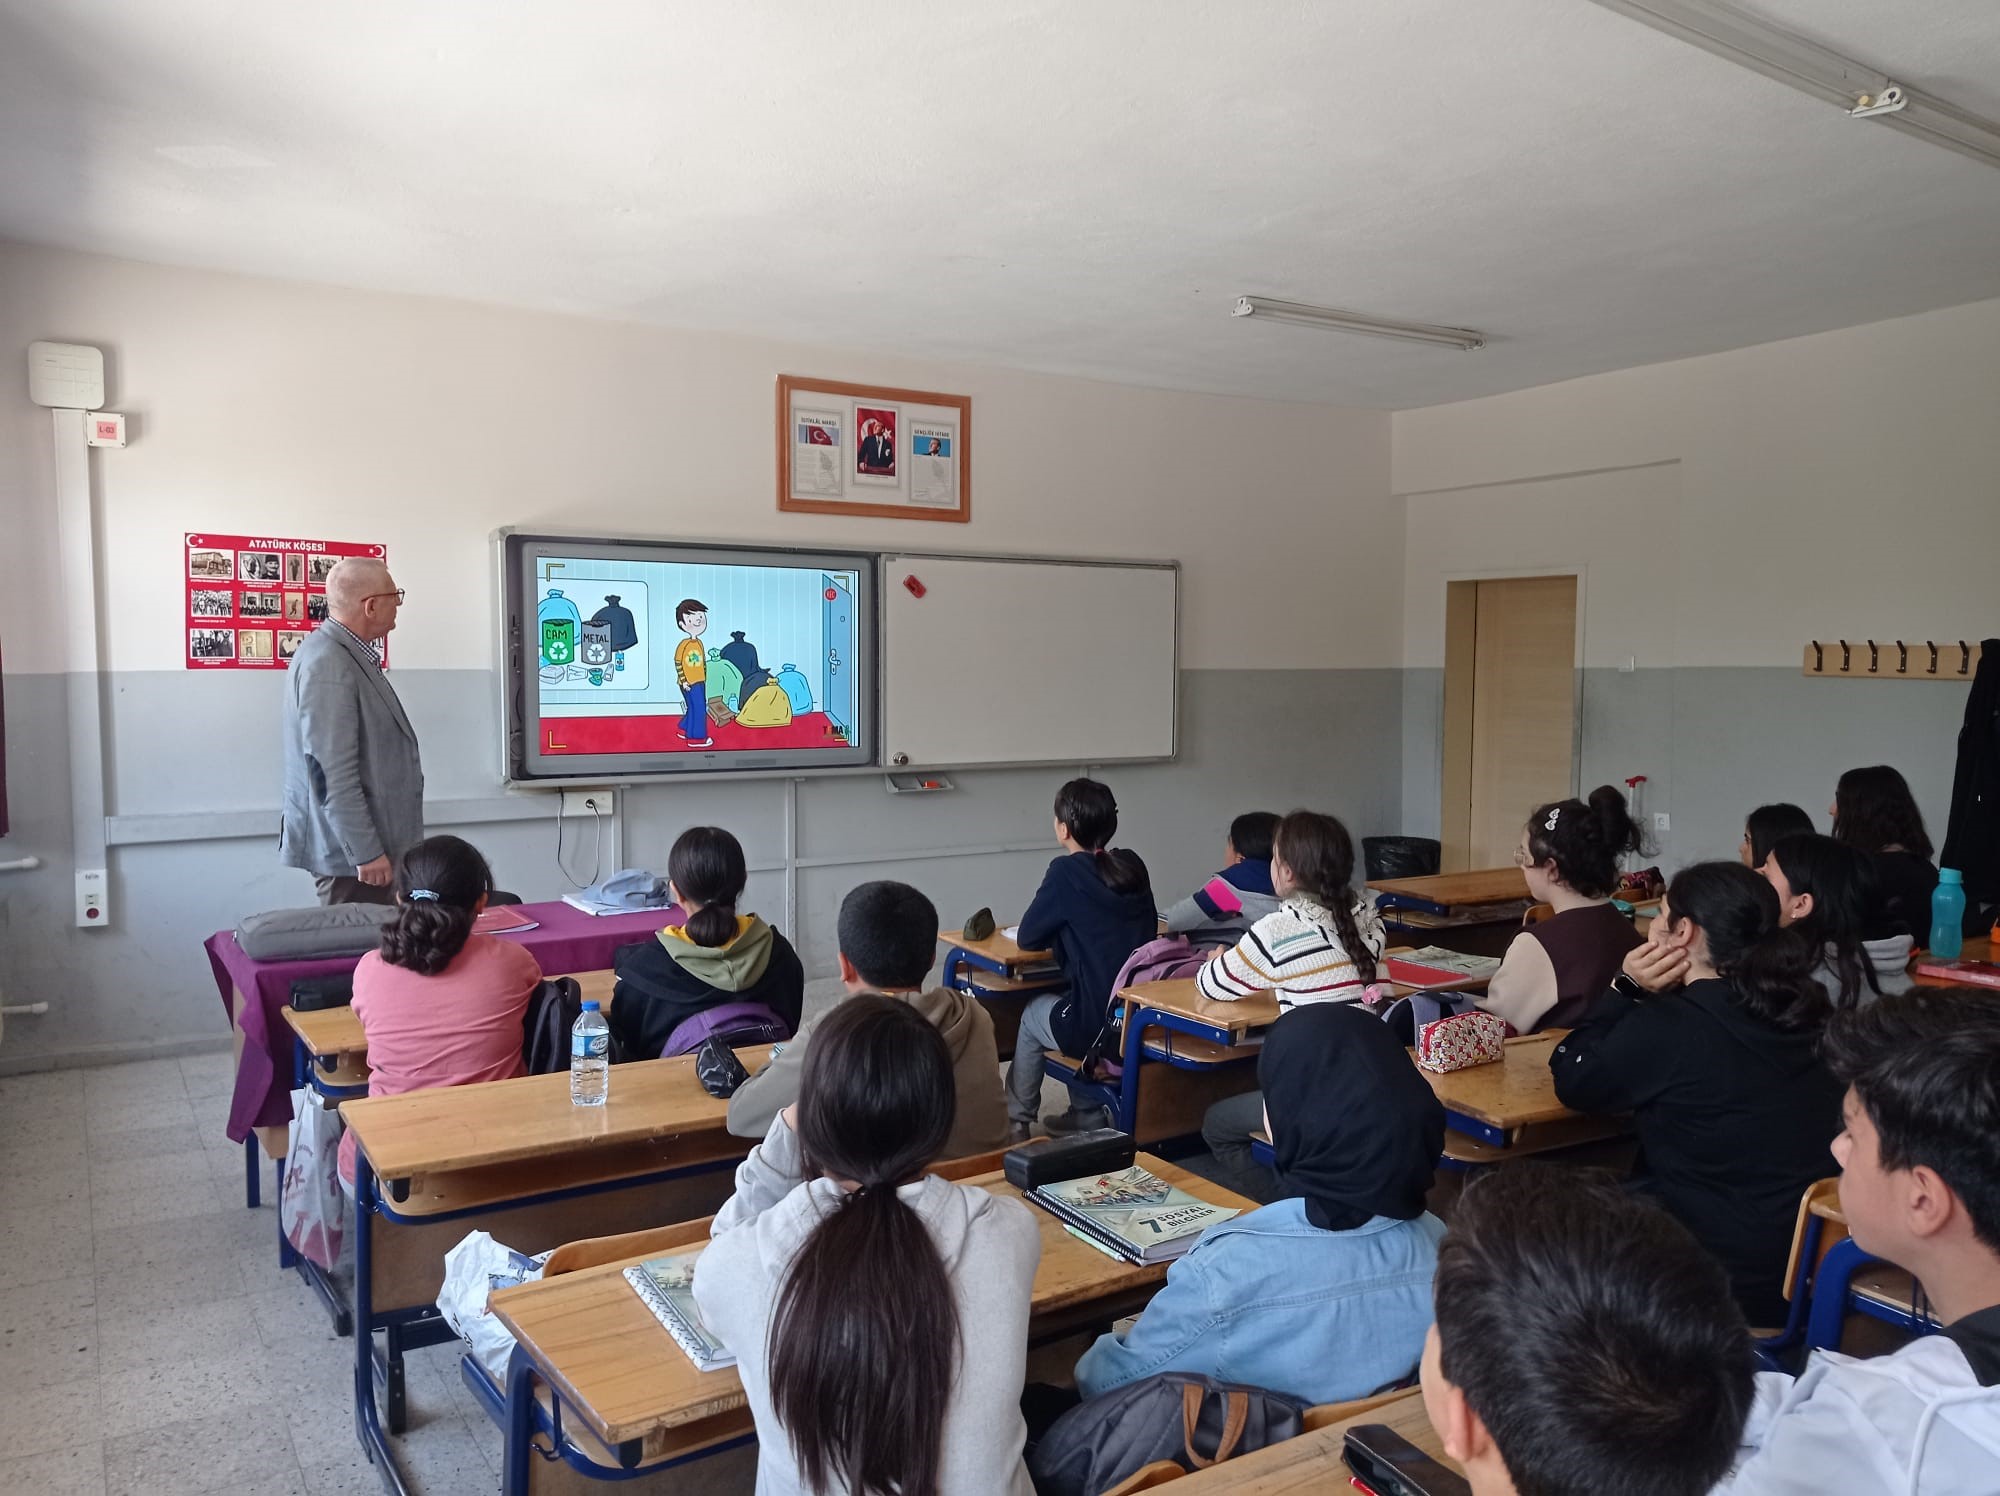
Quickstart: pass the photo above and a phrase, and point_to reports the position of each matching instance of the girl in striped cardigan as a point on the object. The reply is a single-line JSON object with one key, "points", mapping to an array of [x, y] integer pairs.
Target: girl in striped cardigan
{"points": [[1320, 945]]}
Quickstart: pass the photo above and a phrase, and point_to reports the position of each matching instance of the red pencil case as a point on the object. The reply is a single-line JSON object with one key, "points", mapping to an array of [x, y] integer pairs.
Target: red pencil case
{"points": [[1461, 1042]]}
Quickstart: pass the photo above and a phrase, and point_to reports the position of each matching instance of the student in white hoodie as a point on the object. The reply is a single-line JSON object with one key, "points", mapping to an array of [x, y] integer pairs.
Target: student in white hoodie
{"points": [[1920, 1186], [879, 1314]]}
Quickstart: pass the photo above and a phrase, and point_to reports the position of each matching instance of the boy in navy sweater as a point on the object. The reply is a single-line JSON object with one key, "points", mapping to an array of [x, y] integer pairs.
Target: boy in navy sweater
{"points": [[1223, 908], [1094, 908]]}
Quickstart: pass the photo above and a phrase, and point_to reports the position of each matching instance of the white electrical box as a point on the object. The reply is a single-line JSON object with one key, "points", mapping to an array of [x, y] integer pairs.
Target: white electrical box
{"points": [[93, 904], [589, 802], [66, 376]]}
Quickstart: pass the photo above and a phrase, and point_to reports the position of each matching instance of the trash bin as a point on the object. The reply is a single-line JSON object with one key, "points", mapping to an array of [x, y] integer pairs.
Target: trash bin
{"points": [[1400, 856]]}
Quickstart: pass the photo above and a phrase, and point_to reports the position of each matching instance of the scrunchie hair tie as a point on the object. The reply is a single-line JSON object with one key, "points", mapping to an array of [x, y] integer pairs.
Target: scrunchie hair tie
{"points": [[423, 893]]}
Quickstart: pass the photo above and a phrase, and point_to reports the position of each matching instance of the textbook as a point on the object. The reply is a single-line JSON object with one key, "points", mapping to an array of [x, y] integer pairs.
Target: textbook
{"points": [[1132, 1212], [1961, 973], [502, 919], [667, 1286], [1434, 966]]}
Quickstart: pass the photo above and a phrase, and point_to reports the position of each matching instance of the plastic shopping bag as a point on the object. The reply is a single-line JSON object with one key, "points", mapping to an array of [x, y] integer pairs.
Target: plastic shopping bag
{"points": [[313, 1211], [472, 1270]]}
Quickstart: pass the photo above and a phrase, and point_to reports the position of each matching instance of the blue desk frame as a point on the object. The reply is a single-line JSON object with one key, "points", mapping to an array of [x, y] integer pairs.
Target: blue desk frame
{"points": [[414, 1328], [1121, 1097]]}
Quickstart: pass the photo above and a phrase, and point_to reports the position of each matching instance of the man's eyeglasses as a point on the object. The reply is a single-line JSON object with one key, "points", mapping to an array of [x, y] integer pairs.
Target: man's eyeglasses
{"points": [[397, 595]]}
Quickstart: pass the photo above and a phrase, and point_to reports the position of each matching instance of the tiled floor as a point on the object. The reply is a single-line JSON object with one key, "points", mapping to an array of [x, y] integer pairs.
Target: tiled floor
{"points": [[148, 1341]]}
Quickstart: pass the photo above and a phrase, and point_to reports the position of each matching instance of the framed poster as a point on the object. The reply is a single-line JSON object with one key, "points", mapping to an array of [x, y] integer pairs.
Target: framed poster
{"points": [[252, 600], [869, 450]]}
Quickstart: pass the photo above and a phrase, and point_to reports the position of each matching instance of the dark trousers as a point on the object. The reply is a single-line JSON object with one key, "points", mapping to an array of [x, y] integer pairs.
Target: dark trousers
{"points": [[352, 891]]}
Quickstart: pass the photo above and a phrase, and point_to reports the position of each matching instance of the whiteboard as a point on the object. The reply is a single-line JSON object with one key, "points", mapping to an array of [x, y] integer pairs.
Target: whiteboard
{"points": [[1024, 662]]}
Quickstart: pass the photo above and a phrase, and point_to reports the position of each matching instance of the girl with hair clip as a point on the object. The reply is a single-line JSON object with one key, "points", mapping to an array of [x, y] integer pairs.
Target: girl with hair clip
{"points": [[1554, 970], [440, 1005], [879, 1314], [718, 956], [1826, 891], [1319, 946], [1094, 908], [1710, 1040], [1875, 813]]}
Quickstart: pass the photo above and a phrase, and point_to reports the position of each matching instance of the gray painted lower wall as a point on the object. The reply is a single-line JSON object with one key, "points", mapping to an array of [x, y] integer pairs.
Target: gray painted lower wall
{"points": [[1714, 742], [201, 751]]}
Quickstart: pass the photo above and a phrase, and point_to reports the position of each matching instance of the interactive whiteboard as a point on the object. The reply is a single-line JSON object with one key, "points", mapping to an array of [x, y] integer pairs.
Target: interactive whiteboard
{"points": [[1020, 662]]}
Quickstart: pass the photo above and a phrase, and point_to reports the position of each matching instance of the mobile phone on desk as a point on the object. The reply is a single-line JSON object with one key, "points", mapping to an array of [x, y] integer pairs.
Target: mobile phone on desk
{"points": [[1390, 1465]]}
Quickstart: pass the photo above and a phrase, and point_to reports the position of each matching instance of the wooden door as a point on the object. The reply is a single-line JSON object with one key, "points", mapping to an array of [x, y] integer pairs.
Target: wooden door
{"points": [[1516, 732]]}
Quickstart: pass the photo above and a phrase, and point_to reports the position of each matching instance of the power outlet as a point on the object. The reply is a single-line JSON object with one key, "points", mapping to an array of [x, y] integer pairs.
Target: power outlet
{"points": [[93, 904], [587, 803], [1662, 821]]}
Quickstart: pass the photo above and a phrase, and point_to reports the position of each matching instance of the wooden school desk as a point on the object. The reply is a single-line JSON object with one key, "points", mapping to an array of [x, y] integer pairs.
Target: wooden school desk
{"points": [[1511, 1107], [1001, 976], [1977, 948], [1311, 1464], [618, 1373], [1476, 912], [517, 1159]]}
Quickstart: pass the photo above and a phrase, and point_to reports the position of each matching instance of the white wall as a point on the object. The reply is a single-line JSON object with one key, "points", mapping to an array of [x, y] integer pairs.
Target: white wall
{"points": [[260, 406], [1842, 485], [1723, 511]]}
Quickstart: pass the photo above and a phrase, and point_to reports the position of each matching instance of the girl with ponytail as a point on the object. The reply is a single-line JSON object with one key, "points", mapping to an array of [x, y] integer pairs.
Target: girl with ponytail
{"points": [[441, 1006], [879, 1314], [1094, 908], [1556, 968], [716, 956], [1710, 1040], [1320, 945]]}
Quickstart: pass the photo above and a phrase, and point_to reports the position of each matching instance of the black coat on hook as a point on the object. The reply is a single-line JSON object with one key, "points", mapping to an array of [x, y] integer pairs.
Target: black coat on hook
{"points": [[1972, 840]]}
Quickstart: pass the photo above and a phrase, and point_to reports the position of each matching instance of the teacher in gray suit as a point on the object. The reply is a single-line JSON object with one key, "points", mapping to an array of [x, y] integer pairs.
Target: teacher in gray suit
{"points": [[354, 786]]}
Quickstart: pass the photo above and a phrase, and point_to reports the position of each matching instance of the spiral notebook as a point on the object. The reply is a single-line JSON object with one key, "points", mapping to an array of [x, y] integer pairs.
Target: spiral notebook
{"points": [[666, 1284]]}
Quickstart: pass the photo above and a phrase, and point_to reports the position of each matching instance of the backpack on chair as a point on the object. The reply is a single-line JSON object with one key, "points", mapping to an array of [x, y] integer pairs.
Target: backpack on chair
{"points": [[1193, 1420], [545, 1028]]}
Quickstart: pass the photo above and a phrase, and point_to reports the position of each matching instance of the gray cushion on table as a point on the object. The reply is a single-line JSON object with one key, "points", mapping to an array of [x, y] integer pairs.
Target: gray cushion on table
{"points": [[318, 933]]}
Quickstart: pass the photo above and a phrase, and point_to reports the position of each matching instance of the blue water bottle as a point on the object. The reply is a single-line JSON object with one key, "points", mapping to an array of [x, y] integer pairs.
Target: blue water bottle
{"points": [[1948, 914]]}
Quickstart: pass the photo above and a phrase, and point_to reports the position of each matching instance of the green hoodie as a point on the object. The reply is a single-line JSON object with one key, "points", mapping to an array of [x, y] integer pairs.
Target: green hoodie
{"points": [[727, 968]]}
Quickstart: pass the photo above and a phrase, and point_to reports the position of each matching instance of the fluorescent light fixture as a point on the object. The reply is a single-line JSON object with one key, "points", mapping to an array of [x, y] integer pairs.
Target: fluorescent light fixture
{"points": [[1864, 92], [1266, 308]]}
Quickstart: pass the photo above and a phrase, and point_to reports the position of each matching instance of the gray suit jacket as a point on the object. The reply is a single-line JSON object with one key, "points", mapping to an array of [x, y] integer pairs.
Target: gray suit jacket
{"points": [[354, 786]]}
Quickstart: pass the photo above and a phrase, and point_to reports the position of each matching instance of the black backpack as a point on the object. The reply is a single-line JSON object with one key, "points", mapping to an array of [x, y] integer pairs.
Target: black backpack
{"points": [[552, 1013], [1183, 1416]]}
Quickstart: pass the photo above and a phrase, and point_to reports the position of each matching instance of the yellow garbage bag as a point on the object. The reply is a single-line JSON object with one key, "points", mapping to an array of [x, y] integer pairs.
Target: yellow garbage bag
{"points": [[767, 706]]}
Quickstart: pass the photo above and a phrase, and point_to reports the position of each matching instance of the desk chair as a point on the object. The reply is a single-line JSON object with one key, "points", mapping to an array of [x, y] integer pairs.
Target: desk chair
{"points": [[1537, 913], [1828, 1277]]}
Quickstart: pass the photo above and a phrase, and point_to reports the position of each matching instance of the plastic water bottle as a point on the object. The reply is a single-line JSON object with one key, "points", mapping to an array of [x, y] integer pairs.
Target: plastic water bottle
{"points": [[589, 1057], [1948, 914]]}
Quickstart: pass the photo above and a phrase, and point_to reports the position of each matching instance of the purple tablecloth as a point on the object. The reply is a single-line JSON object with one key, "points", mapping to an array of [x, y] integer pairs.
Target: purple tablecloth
{"points": [[566, 940]]}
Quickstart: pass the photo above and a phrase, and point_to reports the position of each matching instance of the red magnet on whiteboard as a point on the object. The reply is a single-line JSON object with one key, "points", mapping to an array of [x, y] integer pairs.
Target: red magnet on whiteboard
{"points": [[913, 586]]}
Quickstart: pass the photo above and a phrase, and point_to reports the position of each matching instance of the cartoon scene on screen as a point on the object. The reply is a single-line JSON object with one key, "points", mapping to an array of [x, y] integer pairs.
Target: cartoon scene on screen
{"points": [[661, 657]]}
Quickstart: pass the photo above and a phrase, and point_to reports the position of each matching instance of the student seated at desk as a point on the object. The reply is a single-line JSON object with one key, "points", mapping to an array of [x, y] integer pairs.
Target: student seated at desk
{"points": [[1554, 970], [1710, 1039], [1875, 813], [718, 956], [1919, 1186], [1768, 825], [1319, 946], [879, 1314], [1094, 908], [1827, 892], [1233, 900], [888, 938], [1326, 1294], [440, 1005], [1584, 1343]]}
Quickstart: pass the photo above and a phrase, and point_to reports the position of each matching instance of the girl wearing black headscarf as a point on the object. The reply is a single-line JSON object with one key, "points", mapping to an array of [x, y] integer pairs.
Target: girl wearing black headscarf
{"points": [[1326, 1294]]}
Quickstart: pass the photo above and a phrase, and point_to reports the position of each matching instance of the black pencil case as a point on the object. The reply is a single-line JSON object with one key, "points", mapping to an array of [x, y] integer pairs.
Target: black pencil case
{"points": [[311, 994], [1100, 1152]]}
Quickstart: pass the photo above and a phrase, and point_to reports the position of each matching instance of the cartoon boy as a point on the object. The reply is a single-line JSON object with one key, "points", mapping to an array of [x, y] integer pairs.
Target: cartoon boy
{"points": [[691, 670]]}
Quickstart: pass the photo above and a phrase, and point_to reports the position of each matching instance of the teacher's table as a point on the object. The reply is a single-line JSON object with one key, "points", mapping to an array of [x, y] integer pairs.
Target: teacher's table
{"points": [[1001, 976], [1476, 912], [616, 1371], [565, 940], [517, 1159], [1311, 1463]]}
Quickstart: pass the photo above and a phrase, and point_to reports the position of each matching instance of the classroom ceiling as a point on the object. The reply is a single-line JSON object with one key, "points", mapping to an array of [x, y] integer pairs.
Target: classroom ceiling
{"points": [[1083, 188]]}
